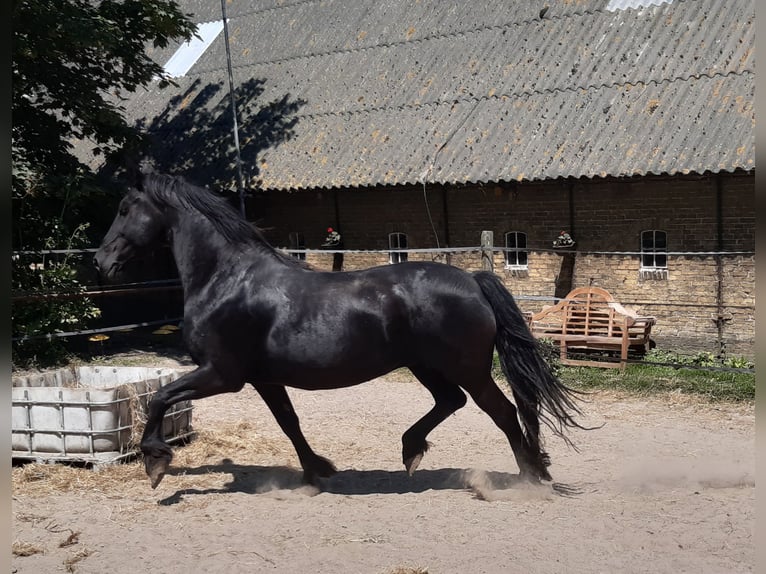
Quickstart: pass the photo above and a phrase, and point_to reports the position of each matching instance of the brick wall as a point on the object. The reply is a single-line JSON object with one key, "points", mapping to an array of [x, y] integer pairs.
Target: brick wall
{"points": [[602, 215]]}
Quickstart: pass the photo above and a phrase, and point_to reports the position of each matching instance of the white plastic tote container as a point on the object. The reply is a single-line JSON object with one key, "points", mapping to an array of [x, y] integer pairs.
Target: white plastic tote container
{"points": [[89, 414]]}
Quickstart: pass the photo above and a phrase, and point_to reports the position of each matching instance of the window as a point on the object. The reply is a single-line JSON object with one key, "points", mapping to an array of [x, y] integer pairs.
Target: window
{"points": [[297, 241], [516, 259], [654, 254], [397, 241], [654, 249]]}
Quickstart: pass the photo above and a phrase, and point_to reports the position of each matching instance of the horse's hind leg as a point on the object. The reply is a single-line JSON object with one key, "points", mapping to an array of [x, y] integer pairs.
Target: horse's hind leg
{"points": [[449, 398], [488, 396], [278, 401]]}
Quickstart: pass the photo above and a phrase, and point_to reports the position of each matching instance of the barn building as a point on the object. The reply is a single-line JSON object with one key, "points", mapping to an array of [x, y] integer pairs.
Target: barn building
{"points": [[629, 124]]}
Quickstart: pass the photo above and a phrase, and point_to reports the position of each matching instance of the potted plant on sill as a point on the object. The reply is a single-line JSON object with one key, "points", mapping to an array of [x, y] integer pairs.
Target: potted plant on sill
{"points": [[563, 241], [333, 239]]}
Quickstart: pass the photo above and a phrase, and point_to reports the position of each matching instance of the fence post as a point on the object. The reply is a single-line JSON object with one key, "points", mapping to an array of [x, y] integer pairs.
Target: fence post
{"points": [[487, 243]]}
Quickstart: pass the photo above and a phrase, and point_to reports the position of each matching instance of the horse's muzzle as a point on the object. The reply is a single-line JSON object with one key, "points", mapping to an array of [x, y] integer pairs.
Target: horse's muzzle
{"points": [[107, 262]]}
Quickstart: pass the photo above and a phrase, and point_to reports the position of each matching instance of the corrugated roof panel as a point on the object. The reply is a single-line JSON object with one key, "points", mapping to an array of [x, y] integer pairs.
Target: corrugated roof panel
{"points": [[579, 50], [365, 92], [621, 131]]}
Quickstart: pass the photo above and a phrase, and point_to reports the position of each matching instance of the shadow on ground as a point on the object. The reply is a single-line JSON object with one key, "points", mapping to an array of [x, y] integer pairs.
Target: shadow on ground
{"points": [[255, 479]]}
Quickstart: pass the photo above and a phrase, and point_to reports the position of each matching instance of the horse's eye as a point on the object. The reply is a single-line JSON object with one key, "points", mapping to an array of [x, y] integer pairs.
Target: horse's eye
{"points": [[123, 211]]}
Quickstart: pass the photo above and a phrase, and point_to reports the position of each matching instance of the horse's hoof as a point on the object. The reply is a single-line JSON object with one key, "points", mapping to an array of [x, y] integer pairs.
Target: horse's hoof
{"points": [[530, 476], [535, 477], [411, 464], [323, 467], [319, 468], [156, 467], [312, 479]]}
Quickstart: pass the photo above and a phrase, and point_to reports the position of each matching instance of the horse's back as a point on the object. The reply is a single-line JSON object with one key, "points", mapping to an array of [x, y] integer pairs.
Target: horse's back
{"points": [[423, 275], [440, 304]]}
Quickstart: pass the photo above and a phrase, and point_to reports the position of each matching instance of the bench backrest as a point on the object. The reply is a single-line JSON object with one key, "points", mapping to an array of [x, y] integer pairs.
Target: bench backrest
{"points": [[587, 311]]}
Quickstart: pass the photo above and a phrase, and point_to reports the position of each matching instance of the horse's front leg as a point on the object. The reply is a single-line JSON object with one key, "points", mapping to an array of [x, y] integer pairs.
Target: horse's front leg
{"points": [[314, 466], [197, 384]]}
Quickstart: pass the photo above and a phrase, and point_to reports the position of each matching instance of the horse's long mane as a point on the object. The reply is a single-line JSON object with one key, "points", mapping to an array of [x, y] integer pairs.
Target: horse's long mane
{"points": [[177, 192]]}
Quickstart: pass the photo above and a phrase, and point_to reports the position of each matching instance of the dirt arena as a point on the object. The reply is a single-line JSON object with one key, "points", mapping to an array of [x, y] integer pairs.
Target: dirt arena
{"points": [[667, 485]]}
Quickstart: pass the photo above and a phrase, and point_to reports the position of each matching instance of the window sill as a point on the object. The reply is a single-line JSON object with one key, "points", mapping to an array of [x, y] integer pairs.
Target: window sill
{"points": [[653, 273], [518, 270]]}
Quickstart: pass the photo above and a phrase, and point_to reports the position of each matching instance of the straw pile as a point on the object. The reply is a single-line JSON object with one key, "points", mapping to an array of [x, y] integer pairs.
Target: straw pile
{"points": [[69, 563], [19, 548], [237, 440]]}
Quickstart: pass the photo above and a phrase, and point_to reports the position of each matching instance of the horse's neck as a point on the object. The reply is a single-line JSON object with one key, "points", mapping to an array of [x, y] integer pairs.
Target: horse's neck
{"points": [[200, 252]]}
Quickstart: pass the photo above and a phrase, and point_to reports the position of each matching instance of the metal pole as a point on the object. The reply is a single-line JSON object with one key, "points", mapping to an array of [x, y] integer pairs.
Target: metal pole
{"points": [[240, 179], [720, 320]]}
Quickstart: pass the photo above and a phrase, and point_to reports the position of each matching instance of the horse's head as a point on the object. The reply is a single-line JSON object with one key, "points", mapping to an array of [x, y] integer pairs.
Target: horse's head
{"points": [[139, 223]]}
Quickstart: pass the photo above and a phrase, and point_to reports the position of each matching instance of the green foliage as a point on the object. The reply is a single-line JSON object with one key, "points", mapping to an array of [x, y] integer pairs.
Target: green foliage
{"points": [[552, 354], [34, 276], [700, 359], [53, 215], [72, 61]]}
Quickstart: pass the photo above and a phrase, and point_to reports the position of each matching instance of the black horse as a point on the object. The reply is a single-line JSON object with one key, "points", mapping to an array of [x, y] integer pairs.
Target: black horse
{"points": [[253, 314]]}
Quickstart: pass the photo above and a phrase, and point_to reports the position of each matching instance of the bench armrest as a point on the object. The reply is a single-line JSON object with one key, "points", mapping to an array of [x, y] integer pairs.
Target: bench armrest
{"points": [[634, 318]]}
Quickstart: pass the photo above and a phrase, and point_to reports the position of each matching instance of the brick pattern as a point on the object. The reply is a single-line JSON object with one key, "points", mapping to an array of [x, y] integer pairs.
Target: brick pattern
{"points": [[603, 215]]}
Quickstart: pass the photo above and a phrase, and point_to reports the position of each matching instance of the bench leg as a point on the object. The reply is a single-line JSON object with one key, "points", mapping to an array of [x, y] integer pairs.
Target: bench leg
{"points": [[624, 353]]}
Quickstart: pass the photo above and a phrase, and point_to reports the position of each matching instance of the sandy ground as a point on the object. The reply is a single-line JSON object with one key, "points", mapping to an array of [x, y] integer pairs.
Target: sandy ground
{"points": [[667, 485]]}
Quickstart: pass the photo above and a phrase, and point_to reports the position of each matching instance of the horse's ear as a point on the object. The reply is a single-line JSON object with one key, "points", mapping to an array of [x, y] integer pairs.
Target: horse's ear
{"points": [[137, 171], [132, 169], [146, 167]]}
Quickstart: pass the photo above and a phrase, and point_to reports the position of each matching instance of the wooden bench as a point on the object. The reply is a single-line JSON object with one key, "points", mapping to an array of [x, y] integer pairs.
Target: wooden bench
{"points": [[589, 318]]}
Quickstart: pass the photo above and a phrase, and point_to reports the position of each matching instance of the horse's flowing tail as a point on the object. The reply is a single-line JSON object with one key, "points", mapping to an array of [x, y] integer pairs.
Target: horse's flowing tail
{"points": [[538, 392]]}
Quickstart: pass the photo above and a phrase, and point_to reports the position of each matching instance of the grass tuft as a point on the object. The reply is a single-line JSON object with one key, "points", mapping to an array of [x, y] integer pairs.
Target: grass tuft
{"points": [[646, 379]]}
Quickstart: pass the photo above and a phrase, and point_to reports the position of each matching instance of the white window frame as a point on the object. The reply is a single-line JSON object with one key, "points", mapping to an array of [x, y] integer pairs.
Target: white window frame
{"points": [[397, 240], [654, 259], [513, 258]]}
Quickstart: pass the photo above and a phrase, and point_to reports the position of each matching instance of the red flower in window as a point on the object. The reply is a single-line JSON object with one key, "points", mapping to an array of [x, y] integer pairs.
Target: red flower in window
{"points": [[332, 239]]}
